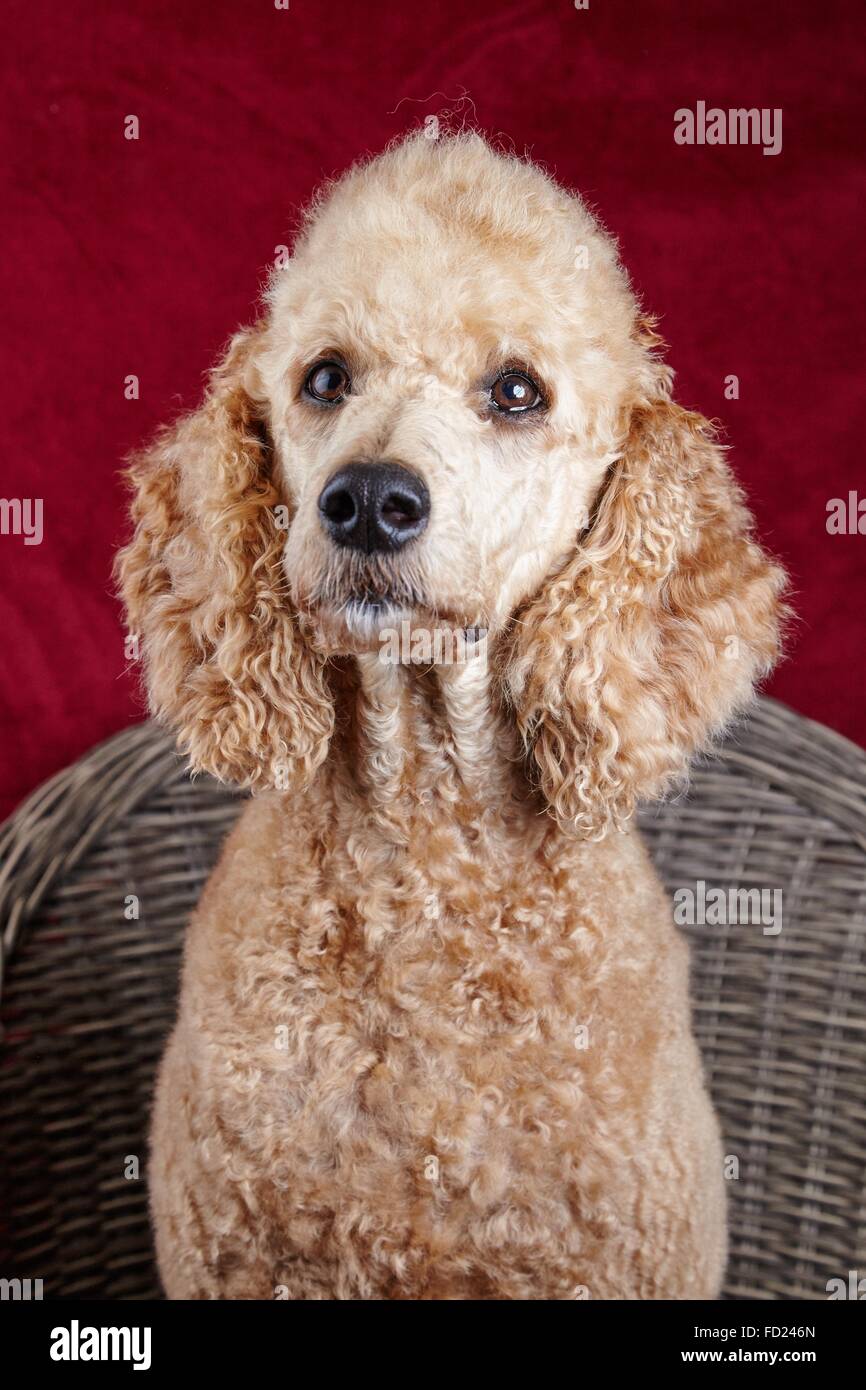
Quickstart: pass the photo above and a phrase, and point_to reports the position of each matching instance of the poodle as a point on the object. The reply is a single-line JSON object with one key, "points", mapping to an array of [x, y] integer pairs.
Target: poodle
{"points": [[433, 1037]]}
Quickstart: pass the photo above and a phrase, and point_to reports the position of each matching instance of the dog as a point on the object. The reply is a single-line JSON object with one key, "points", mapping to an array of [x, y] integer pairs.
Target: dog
{"points": [[433, 1038]]}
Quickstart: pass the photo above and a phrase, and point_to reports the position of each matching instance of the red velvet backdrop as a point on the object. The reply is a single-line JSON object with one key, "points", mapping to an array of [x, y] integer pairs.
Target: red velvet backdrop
{"points": [[139, 257]]}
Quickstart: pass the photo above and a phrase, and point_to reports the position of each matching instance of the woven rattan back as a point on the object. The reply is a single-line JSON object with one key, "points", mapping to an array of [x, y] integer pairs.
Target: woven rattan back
{"points": [[779, 986]]}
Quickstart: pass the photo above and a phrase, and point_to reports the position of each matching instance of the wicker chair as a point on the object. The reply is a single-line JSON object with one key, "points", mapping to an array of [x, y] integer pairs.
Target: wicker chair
{"points": [[89, 994]]}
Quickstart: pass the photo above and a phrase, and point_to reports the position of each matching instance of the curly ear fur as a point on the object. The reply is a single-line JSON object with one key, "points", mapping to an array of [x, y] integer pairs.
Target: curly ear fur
{"points": [[653, 634], [201, 580]]}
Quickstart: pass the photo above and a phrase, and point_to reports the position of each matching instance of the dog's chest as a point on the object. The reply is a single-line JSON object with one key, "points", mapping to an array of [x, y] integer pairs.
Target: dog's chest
{"points": [[425, 1043], [389, 997], [456, 924]]}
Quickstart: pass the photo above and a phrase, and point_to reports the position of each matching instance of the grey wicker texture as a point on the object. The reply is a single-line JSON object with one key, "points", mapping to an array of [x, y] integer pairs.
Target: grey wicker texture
{"points": [[88, 997]]}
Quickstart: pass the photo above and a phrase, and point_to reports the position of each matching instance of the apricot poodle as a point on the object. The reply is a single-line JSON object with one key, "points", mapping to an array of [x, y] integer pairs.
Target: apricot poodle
{"points": [[434, 1036]]}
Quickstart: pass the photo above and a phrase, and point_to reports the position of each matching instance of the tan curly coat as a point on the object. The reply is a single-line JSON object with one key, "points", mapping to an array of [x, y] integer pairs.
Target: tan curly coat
{"points": [[434, 1031]]}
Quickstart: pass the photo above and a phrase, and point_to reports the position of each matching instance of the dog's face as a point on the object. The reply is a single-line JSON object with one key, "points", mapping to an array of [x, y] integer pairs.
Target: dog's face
{"points": [[451, 413], [445, 376]]}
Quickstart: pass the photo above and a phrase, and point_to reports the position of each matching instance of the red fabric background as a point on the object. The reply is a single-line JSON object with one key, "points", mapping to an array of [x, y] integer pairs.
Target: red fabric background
{"points": [[140, 257]]}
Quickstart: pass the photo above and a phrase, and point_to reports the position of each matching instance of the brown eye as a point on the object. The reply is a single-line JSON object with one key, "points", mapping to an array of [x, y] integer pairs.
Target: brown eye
{"points": [[328, 382], [515, 392]]}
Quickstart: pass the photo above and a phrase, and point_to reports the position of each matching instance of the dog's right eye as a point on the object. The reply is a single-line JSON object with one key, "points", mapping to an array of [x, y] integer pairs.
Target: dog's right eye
{"points": [[515, 393], [328, 382]]}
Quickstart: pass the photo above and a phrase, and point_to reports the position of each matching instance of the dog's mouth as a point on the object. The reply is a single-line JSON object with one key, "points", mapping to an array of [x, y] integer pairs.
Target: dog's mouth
{"points": [[356, 600], [368, 604], [400, 625]]}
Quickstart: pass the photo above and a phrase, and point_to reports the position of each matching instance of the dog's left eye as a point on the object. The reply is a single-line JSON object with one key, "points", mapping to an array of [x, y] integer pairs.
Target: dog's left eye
{"points": [[512, 393], [328, 382]]}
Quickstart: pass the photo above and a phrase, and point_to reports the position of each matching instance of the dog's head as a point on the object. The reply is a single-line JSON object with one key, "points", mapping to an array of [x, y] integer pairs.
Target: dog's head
{"points": [[452, 413]]}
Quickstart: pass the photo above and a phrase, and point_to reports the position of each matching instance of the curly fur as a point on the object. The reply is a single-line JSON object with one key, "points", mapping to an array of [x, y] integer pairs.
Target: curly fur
{"points": [[620, 669], [433, 1037], [201, 586]]}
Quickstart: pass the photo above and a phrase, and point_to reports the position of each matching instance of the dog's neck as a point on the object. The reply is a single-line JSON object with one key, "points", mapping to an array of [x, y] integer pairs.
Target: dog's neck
{"points": [[423, 741]]}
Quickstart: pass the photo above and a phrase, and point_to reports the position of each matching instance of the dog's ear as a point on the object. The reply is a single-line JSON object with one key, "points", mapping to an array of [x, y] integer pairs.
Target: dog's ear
{"points": [[653, 634], [225, 662]]}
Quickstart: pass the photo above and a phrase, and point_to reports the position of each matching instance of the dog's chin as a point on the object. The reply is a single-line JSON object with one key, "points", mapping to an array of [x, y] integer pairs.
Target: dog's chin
{"points": [[358, 625], [407, 634], [367, 620]]}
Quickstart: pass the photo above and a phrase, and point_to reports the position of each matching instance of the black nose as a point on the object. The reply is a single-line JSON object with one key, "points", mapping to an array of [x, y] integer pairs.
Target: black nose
{"points": [[374, 506]]}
